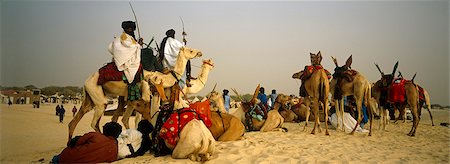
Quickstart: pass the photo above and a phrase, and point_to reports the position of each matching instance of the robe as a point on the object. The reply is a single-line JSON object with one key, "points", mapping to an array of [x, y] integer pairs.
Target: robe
{"points": [[126, 54]]}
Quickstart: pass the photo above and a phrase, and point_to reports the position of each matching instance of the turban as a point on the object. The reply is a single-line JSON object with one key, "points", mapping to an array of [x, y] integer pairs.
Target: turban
{"points": [[170, 33], [128, 24]]}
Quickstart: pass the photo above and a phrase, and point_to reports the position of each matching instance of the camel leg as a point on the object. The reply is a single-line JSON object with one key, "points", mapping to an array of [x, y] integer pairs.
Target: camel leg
{"points": [[341, 112], [308, 113], [431, 116], [126, 116], [120, 108], [316, 115], [325, 108], [98, 113], [85, 107], [371, 112], [416, 120], [360, 115]]}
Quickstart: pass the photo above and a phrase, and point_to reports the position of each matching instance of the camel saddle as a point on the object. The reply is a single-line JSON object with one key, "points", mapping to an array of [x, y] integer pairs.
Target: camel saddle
{"points": [[109, 72], [306, 74], [397, 92], [309, 70], [172, 127]]}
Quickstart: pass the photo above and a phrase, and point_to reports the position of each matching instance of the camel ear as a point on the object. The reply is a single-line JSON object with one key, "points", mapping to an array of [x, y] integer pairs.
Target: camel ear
{"points": [[182, 48], [335, 61], [319, 57], [348, 63], [395, 69]]}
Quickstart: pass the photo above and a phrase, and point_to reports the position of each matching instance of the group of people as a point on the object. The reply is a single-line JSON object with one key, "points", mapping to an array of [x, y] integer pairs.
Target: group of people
{"points": [[126, 52], [60, 111], [109, 146], [268, 101]]}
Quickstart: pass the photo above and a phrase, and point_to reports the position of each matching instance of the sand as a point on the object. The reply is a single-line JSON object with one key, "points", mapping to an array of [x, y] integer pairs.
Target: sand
{"points": [[30, 135]]}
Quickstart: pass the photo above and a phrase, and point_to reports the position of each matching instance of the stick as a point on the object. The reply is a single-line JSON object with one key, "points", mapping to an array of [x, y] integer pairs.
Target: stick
{"points": [[135, 18]]}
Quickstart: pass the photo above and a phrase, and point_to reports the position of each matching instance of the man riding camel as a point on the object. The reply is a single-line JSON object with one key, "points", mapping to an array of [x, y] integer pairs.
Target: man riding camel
{"points": [[170, 47], [126, 51]]}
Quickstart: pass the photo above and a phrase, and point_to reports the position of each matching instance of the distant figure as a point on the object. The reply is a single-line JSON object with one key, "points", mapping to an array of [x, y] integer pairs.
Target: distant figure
{"points": [[61, 113], [74, 110], [226, 100], [92, 147], [262, 96], [272, 97], [57, 110]]}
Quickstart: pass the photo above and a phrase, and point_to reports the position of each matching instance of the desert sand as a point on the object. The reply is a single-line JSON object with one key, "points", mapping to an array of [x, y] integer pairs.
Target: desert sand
{"points": [[30, 135]]}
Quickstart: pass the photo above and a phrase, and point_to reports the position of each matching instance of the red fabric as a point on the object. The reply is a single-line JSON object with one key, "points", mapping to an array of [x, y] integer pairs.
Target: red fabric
{"points": [[421, 94], [310, 69], [171, 128], [397, 93], [109, 72], [92, 147], [202, 108]]}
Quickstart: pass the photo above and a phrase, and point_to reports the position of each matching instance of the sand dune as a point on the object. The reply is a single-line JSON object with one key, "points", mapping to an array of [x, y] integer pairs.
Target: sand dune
{"points": [[29, 135]]}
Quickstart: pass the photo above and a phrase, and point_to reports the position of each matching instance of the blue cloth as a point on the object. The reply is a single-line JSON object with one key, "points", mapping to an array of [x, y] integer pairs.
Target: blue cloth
{"points": [[263, 98], [227, 102]]}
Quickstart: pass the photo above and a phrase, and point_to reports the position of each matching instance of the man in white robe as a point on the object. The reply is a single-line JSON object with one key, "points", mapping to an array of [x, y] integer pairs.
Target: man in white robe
{"points": [[126, 51], [171, 48]]}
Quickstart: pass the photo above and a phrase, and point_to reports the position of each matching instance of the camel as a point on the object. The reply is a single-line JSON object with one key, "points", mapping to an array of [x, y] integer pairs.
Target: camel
{"points": [[95, 95], [196, 142], [317, 88], [197, 85], [380, 93], [357, 86], [225, 127], [425, 100], [274, 120], [411, 92]]}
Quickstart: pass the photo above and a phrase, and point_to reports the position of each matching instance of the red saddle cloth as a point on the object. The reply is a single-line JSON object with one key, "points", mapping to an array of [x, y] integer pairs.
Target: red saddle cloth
{"points": [[397, 93], [421, 94], [308, 71], [176, 122], [109, 72]]}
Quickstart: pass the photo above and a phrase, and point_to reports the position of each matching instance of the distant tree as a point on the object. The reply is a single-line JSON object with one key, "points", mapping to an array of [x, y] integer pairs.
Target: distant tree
{"points": [[30, 87], [50, 90]]}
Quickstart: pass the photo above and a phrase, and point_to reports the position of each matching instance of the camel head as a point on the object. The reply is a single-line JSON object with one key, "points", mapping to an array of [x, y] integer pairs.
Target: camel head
{"points": [[339, 71], [208, 62], [297, 75], [316, 59], [386, 79], [283, 99], [190, 53]]}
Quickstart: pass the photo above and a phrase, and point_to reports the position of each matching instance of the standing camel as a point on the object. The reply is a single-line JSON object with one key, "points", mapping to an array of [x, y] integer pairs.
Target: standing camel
{"points": [[380, 92], [411, 93], [95, 95], [349, 82], [317, 88]]}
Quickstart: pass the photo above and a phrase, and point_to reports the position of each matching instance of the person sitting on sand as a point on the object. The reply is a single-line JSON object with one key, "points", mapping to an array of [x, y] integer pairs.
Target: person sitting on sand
{"points": [[92, 147], [135, 142]]}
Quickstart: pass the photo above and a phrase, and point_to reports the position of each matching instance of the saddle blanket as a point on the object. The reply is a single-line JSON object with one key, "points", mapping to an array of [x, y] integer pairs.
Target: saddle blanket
{"points": [[109, 72], [308, 71], [397, 93], [176, 122]]}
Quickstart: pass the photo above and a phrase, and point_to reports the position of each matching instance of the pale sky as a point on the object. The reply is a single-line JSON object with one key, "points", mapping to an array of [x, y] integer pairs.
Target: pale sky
{"points": [[61, 43]]}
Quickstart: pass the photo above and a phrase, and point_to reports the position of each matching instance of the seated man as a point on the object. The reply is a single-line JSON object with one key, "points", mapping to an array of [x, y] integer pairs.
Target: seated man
{"points": [[133, 143], [92, 147]]}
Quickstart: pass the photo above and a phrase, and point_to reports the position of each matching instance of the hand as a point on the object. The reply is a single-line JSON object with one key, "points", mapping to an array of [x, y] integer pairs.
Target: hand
{"points": [[141, 41]]}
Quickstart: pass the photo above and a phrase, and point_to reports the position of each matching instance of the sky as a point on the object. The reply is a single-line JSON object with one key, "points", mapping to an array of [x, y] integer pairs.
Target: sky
{"points": [[61, 43]]}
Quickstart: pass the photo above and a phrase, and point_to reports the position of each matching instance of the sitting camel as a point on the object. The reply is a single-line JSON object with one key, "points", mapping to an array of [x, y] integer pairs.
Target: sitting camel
{"points": [[95, 95], [225, 127], [274, 120], [317, 89], [348, 82]]}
